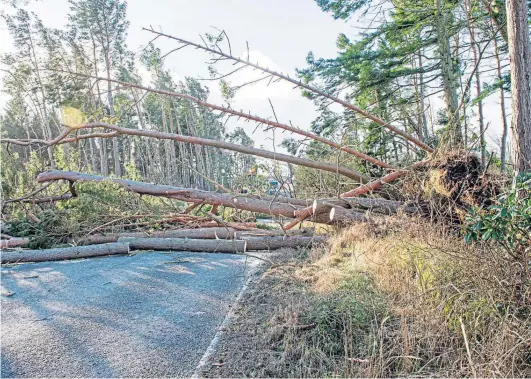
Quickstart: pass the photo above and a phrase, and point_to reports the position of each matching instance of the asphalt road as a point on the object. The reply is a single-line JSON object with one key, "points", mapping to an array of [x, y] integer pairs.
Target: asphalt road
{"points": [[148, 315]]}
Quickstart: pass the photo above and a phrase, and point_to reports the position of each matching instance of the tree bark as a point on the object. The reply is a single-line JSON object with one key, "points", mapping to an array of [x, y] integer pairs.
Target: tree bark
{"points": [[275, 243], [362, 204], [201, 233], [65, 253], [219, 246], [185, 244], [442, 19], [505, 127], [520, 57], [228, 146], [184, 194], [14, 242], [342, 216]]}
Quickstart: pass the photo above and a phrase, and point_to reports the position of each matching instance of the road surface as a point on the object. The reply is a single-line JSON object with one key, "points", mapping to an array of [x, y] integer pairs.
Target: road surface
{"points": [[147, 315]]}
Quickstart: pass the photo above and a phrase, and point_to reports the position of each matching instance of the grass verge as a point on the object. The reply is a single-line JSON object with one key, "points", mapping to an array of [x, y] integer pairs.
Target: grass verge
{"points": [[400, 298]]}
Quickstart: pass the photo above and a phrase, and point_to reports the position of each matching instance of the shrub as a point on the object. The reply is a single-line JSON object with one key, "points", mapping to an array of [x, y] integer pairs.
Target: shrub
{"points": [[508, 224]]}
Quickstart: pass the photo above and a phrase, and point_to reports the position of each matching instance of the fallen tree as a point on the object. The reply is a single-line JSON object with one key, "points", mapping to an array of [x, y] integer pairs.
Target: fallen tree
{"points": [[60, 254], [185, 244], [257, 119], [14, 242], [347, 172], [247, 203], [374, 185], [275, 243], [219, 245], [298, 83], [200, 233], [184, 194]]}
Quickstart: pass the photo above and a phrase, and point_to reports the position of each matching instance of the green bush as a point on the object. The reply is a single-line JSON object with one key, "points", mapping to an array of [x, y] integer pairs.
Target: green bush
{"points": [[508, 221]]}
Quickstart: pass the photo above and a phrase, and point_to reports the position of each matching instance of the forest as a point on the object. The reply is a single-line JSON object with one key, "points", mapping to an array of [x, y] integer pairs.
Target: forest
{"points": [[103, 151]]}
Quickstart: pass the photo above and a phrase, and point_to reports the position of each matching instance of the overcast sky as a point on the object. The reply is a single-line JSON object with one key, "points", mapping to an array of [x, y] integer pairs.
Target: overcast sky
{"points": [[280, 33]]}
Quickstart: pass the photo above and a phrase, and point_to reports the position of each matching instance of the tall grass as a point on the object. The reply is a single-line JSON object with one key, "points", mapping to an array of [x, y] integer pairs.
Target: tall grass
{"points": [[403, 298]]}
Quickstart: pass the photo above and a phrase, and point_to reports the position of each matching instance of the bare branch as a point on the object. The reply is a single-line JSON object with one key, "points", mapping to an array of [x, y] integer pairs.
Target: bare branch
{"points": [[249, 117], [299, 83], [214, 143]]}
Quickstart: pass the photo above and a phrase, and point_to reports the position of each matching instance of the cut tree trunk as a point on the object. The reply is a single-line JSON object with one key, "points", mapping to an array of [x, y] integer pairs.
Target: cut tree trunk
{"points": [[14, 242], [342, 216], [206, 233], [60, 254], [362, 204], [185, 244], [219, 246]]}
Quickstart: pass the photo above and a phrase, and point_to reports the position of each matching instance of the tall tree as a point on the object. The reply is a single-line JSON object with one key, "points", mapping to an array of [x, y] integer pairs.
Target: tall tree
{"points": [[104, 23], [24, 28], [520, 57], [443, 19], [383, 58]]}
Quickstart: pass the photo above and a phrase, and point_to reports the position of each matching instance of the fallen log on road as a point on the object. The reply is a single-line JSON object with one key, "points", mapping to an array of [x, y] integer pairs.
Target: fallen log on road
{"points": [[219, 246], [65, 253], [185, 244], [201, 233]]}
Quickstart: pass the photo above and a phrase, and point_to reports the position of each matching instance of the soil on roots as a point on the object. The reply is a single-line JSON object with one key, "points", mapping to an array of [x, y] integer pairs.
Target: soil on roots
{"points": [[451, 185]]}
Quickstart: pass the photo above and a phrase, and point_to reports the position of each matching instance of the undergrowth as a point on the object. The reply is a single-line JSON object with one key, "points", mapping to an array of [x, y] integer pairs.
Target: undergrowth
{"points": [[403, 298]]}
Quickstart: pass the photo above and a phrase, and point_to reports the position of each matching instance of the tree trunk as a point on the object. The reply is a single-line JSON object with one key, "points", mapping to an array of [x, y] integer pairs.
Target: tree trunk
{"points": [[362, 204], [65, 253], [520, 57], [422, 119], [184, 194], [185, 244], [219, 246], [104, 164], [14, 242], [341, 216], [201, 233], [505, 128], [442, 21], [110, 101], [475, 49]]}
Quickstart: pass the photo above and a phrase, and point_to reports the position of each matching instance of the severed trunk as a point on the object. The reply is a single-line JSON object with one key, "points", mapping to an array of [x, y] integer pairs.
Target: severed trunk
{"points": [[220, 232], [64, 253], [219, 245]]}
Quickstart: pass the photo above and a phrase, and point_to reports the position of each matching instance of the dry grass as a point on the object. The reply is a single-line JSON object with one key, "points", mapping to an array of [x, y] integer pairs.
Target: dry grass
{"points": [[406, 299], [397, 297]]}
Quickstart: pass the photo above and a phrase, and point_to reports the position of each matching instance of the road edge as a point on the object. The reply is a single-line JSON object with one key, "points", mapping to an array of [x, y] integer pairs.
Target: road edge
{"points": [[254, 267]]}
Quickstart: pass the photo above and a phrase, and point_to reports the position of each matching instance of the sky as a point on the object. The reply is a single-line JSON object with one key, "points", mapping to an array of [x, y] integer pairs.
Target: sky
{"points": [[280, 33]]}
